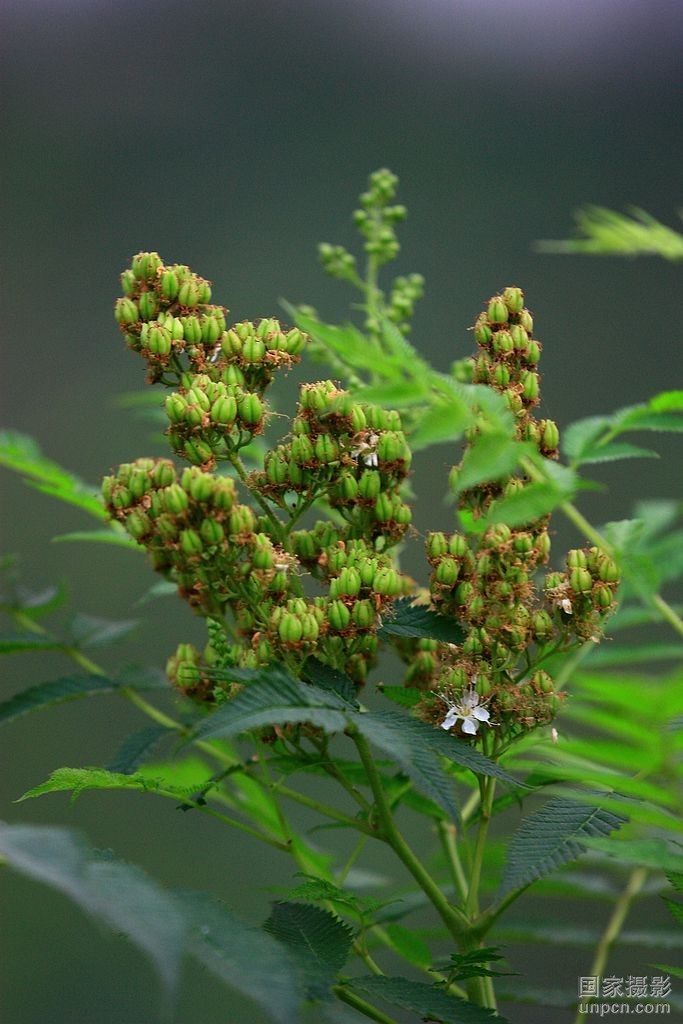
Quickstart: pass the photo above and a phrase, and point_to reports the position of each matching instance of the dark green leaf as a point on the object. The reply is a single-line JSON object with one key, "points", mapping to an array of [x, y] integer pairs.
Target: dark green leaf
{"points": [[615, 451], [22, 454], [443, 422], [69, 688], [408, 945], [579, 937], [319, 940], [408, 620], [406, 696], [119, 540], [247, 959], [137, 748], [119, 894], [276, 700], [321, 675], [77, 780], [550, 838], [581, 435], [27, 642], [428, 1001], [635, 654]]}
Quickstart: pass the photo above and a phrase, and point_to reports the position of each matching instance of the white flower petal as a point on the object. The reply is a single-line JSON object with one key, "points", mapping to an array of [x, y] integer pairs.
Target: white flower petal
{"points": [[481, 714], [450, 719], [470, 727]]}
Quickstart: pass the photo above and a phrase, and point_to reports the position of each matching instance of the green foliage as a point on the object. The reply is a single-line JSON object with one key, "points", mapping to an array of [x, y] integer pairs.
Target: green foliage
{"points": [[45, 695], [22, 454], [414, 621], [551, 837], [427, 1001], [319, 941], [603, 232]]}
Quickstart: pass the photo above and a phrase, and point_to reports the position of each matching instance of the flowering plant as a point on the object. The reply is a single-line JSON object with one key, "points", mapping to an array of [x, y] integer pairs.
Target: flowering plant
{"points": [[289, 549]]}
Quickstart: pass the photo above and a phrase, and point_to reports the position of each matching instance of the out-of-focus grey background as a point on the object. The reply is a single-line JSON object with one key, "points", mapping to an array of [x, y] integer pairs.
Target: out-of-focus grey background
{"points": [[234, 136]]}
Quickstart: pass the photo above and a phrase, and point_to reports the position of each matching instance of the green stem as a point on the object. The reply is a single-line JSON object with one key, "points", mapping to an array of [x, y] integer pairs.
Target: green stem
{"points": [[454, 919], [481, 989], [635, 883], [447, 834], [367, 1009]]}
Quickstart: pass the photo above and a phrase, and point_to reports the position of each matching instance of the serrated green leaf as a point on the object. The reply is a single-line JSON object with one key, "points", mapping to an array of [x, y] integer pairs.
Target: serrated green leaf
{"points": [[77, 780], [69, 688], [405, 696], [346, 342], [275, 699], [428, 1001], [656, 854], [605, 232], [614, 452], [21, 453], [635, 654], [572, 935], [319, 941], [489, 458], [137, 748], [550, 838], [119, 894], [398, 394], [408, 620], [675, 879], [675, 972], [20, 642], [164, 588], [119, 540], [327, 678], [581, 435], [245, 958]]}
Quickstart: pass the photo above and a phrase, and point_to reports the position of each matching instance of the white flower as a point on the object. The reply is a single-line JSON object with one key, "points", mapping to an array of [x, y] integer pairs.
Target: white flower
{"points": [[366, 449], [469, 710], [566, 605]]}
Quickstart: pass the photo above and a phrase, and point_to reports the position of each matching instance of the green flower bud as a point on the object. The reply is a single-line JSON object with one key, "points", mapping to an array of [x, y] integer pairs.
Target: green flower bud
{"points": [[242, 520], [523, 543], [158, 340], [472, 645], [390, 447], [576, 559], [514, 299], [145, 265], [176, 407], [530, 385], [203, 290], [148, 305], [367, 569], [138, 524], [302, 450], [501, 375], [482, 333], [250, 410], [543, 544], [167, 527], [533, 352], [483, 685], [520, 338], [603, 598], [222, 492], [363, 614], [387, 583], [125, 311], [447, 572], [358, 419], [224, 411], [347, 488], [497, 311], [191, 542], [608, 570], [542, 682], [339, 616], [370, 485], [542, 626], [580, 581], [310, 630], [169, 284], [463, 592], [210, 330], [198, 452], [212, 532], [192, 329], [128, 282], [295, 341], [476, 608], [175, 499], [253, 350], [383, 509], [550, 435], [526, 320], [290, 630], [348, 582], [276, 468], [502, 343], [188, 293], [121, 497], [326, 449], [304, 545], [437, 545]]}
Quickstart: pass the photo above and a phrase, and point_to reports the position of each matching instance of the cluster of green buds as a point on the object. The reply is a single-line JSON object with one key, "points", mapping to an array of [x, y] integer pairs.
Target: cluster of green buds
{"points": [[486, 579], [237, 560], [166, 316]]}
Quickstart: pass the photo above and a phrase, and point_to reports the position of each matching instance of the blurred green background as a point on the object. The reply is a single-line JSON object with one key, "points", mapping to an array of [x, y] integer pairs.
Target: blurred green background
{"points": [[234, 136]]}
